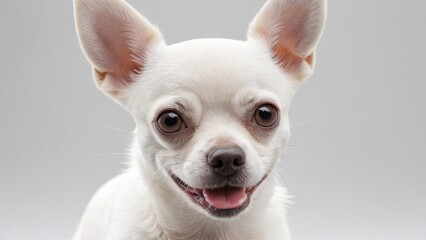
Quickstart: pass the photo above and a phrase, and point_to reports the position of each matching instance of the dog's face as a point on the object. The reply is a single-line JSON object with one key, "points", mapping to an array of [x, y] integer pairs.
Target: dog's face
{"points": [[214, 126], [211, 114]]}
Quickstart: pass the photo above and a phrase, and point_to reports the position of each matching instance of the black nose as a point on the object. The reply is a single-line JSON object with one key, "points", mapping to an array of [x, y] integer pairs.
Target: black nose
{"points": [[226, 161]]}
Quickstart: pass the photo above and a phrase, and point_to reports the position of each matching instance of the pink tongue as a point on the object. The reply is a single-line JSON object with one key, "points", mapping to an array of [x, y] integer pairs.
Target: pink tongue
{"points": [[226, 197]]}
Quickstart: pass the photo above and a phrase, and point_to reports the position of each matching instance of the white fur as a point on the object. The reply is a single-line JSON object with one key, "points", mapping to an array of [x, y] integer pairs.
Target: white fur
{"points": [[218, 82]]}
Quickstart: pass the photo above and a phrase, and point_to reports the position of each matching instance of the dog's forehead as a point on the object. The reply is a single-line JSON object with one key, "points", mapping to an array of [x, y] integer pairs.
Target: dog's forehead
{"points": [[216, 66], [214, 70]]}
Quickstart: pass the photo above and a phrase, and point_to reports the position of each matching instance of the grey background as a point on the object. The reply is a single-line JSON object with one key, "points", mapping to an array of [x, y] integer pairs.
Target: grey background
{"points": [[358, 145]]}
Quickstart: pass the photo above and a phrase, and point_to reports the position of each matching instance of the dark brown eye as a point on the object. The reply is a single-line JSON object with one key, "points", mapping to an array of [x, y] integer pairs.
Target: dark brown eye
{"points": [[170, 122], [266, 115]]}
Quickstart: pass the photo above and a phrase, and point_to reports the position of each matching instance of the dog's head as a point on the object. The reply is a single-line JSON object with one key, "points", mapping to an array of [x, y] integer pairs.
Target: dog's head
{"points": [[211, 114]]}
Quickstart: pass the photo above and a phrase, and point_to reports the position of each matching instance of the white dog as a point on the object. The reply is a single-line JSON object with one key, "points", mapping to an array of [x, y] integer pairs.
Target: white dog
{"points": [[211, 122]]}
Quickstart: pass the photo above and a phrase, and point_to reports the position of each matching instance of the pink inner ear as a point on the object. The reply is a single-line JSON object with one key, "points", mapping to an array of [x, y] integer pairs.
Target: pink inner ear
{"points": [[289, 61], [118, 58], [292, 29], [115, 38]]}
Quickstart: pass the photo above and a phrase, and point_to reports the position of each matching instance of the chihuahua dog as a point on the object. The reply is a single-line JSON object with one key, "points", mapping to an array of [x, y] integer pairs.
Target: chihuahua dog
{"points": [[211, 122]]}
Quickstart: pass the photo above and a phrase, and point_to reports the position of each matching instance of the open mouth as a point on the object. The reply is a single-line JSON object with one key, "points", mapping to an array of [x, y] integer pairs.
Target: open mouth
{"points": [[226, 201]]}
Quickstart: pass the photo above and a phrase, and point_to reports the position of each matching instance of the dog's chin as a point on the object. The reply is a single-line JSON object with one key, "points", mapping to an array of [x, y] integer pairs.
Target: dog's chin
{"points": [[221, 202]]}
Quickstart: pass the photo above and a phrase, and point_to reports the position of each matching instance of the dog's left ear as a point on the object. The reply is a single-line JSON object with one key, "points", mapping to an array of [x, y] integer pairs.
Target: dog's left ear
{"points": [[116, 39], [291, 29]]}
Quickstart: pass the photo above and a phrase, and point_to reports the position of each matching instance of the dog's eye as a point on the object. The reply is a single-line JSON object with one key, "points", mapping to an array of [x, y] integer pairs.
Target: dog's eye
{"points": [[170, 122], [266, 115]]}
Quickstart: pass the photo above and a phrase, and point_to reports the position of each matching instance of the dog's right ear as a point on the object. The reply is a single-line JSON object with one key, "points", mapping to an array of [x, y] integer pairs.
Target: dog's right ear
{"points": [[291, 29], [116, 40]]}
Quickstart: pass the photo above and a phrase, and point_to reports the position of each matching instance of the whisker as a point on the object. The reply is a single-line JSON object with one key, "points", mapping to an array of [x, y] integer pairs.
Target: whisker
{"points": [[114, 128], [296, 124], [165, 166], [112, 154], [300, 147], [286, 159]]}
